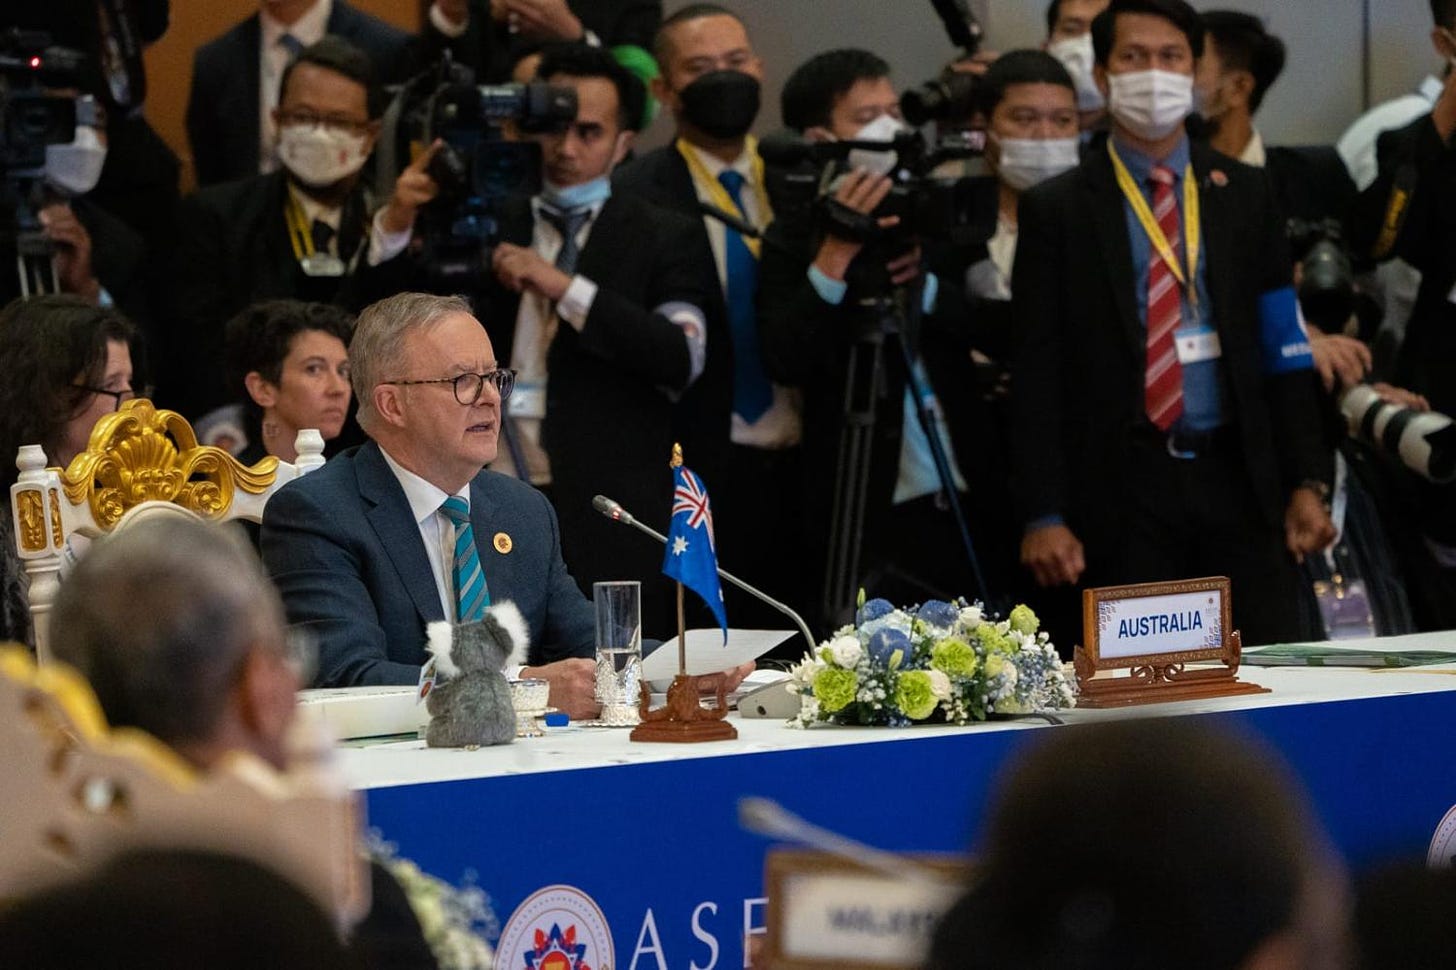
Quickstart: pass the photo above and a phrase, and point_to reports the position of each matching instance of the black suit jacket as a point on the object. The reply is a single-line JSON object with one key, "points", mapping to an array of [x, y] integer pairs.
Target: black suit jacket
{"points": [[222, 108], [1311, 182], [1079, 368], [234, 250], [488, 47], [613, 388]]}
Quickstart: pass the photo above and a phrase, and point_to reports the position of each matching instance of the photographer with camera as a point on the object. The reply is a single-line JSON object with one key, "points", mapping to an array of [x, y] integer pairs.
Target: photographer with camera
{"points": [[600, 302], [300, 233], [848, 313], [1165, 407]]}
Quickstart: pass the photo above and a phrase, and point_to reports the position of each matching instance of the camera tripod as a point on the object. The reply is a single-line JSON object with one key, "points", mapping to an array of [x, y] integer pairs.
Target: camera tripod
{"points": [[896, 320], [34, 267]]}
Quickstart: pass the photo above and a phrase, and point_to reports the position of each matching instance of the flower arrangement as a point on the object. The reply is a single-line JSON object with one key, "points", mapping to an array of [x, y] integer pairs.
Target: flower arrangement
{"points": [[455, 921], [937, 662]]}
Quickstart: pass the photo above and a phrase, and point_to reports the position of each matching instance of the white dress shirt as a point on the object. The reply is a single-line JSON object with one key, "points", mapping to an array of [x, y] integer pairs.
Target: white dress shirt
{"points": [[1357, 145], [436, 531], [273, 58]]}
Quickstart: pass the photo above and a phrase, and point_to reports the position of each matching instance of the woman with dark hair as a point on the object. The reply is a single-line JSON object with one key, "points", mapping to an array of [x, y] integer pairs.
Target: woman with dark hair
{"points": [[289, 363], [67, 364]]}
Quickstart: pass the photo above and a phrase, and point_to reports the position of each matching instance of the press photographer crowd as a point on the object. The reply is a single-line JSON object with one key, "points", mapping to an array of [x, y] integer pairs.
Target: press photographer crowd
{"points": [[1056, 317]]}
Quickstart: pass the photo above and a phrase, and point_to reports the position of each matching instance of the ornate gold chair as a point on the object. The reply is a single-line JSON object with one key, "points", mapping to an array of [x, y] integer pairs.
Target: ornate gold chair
{"points": [[137, 461], [76, 792]]}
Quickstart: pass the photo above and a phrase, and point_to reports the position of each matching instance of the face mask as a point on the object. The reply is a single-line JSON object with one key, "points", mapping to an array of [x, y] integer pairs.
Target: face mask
{"points": [[1025, 162], [76, 167], [568, 197], [1076, 56], [883, 128], [320, 156], [721, 104], [1150, 104]]}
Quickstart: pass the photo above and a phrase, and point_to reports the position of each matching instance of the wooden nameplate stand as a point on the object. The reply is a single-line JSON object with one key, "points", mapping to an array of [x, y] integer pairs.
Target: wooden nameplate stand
{"points": [[1156, 678], [683, 719]]}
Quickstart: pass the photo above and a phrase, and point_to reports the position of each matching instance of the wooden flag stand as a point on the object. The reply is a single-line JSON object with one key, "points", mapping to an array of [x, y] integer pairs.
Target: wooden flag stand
{"points": [[684, 719]]}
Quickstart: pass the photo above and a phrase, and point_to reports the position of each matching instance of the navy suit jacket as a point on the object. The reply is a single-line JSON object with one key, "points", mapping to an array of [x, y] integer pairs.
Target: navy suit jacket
{"points": [[344, 550], [222, 107]]}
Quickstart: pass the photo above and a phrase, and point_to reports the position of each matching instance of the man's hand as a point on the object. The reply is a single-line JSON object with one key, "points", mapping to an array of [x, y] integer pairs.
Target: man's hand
{"points": [[73, 251], [863, 192], [1054, 554], [1400, 397], [903, 269], [540, 19], [573, 686], [412, 189], [1307, 524], [520, 269], [1341, 361]]}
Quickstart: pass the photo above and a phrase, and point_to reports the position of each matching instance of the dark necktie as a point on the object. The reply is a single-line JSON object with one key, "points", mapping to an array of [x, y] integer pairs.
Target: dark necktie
{"points": [[569, 224], [1163, 381], [323, 235], [292, 44], [752, 390]]}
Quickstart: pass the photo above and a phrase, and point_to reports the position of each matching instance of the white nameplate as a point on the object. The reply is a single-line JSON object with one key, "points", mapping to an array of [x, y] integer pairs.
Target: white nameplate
{"points": [[1141, 625], [860, 919]]}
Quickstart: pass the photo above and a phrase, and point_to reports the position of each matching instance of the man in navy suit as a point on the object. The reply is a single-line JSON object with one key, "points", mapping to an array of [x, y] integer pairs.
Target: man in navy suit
{"points": [[364, 552], [235, 79]]}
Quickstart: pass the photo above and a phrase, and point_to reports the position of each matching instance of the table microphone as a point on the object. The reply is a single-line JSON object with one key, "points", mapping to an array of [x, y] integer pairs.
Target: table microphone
{"points": [[767, 817], [614, 511]]}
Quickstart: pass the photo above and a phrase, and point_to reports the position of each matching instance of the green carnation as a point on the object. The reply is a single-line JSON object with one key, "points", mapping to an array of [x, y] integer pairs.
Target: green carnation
{"points": [[913, 695], [835, 688], [954, 657], [995, 666], [1024, 621], [993, 639]]}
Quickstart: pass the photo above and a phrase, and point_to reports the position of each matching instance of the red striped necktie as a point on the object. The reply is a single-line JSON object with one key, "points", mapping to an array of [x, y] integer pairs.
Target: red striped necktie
{"points": [[1163, 380]]}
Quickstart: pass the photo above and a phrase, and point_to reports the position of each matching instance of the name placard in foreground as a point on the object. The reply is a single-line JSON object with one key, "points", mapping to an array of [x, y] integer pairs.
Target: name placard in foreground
{"points": [[1138, 640]]}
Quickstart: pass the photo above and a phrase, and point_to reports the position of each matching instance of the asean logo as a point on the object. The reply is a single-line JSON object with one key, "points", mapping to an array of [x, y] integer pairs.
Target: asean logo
{"points": [[556, 928]]}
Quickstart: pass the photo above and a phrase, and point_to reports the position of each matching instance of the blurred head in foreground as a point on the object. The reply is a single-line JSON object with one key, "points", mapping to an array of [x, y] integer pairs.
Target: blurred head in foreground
{"points": [[1148, 844]]}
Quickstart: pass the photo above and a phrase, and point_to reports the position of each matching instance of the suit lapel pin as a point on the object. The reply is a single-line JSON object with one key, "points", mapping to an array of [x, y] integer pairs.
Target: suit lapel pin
{"points": [[502, 543], [1218, 178]]}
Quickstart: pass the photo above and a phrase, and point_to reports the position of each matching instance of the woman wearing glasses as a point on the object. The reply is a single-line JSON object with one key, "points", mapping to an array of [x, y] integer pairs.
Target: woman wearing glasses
{"points": [[288, 362], [67, 364]]}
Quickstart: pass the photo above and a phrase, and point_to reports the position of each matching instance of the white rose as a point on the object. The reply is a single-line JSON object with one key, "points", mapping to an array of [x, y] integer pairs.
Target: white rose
{"points": [[846, 651], [939, 684], [970, 617]]}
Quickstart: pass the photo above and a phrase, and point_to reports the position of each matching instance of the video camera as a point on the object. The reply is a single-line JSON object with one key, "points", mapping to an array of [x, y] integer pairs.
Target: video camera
{"points": [[952, 95], [478, 167], [1327, 284]]}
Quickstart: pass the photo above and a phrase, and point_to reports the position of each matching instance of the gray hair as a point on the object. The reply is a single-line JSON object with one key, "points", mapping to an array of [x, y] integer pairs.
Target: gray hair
{"points": [[159, 617], [376, 351]]}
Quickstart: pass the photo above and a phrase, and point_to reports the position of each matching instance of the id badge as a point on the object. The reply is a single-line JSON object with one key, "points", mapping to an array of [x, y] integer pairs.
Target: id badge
{"points": [[1198, 345], [322, 264]]}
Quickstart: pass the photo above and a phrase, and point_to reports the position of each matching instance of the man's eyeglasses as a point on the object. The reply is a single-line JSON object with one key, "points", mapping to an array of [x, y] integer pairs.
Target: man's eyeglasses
{"points": [[469, 387], [306, 118], [119, 396]]}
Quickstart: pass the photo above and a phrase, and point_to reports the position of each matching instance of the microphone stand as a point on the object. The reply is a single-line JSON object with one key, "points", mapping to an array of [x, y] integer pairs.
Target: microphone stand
{"points": [[614, 511]]}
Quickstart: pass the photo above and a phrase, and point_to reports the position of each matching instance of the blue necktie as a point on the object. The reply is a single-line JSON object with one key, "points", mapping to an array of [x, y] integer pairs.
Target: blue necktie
{"points": [[292, 44], [569, 224], [471, 594], [752, 391]]}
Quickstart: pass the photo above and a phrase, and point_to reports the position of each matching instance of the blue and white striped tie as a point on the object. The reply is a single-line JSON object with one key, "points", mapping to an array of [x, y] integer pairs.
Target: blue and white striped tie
{"points": [[472, 596]]}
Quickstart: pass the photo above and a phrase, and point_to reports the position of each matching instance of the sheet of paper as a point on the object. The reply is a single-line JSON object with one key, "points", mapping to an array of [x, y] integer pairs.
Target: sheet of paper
{"points": [[708, 654]]}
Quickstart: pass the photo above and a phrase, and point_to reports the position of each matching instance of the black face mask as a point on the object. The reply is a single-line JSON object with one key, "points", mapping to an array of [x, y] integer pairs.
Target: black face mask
{"points": [[721, 104]]}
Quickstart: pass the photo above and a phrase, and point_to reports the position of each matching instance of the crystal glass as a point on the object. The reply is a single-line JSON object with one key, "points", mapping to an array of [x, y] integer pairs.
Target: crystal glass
{"points": [[619, 650]]}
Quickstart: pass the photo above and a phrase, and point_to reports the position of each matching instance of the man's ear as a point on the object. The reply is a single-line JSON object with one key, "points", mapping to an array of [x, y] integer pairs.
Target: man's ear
{"points": [[260, 389], [1241, 83], [266, 702], [1099, 74], [660, 90], [371, 135], [625, 140], [1441, 40], [818, 133], [389, 404]]}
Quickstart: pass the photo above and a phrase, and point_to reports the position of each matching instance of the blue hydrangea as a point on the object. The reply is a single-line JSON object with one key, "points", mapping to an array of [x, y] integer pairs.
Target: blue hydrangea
{"points": [[883, 645], [873, 610], [938, 614]]}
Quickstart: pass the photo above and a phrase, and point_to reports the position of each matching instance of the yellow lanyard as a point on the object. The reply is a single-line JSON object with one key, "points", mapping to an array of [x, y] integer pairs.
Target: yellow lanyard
{"points": [[1191, 230], [300, 233], [719, 195]]}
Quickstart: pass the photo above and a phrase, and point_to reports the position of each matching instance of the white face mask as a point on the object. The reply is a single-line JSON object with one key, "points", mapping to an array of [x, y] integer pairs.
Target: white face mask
{"points": [[76, 167], [1076, 56], [320, 156], [1024, 162], [883, 128], [1150, 104]]}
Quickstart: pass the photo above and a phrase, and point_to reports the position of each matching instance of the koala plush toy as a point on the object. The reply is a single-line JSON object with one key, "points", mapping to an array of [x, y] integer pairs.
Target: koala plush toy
{"points": [[473, 704]]}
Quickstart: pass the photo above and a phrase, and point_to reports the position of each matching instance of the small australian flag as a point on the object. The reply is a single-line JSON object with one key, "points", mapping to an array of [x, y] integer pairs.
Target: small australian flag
{"points": [[692, 557]]}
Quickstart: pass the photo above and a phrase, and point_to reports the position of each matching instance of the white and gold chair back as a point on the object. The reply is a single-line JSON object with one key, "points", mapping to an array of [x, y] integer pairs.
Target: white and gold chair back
{"points": [[75, 793], [138, 457]]}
